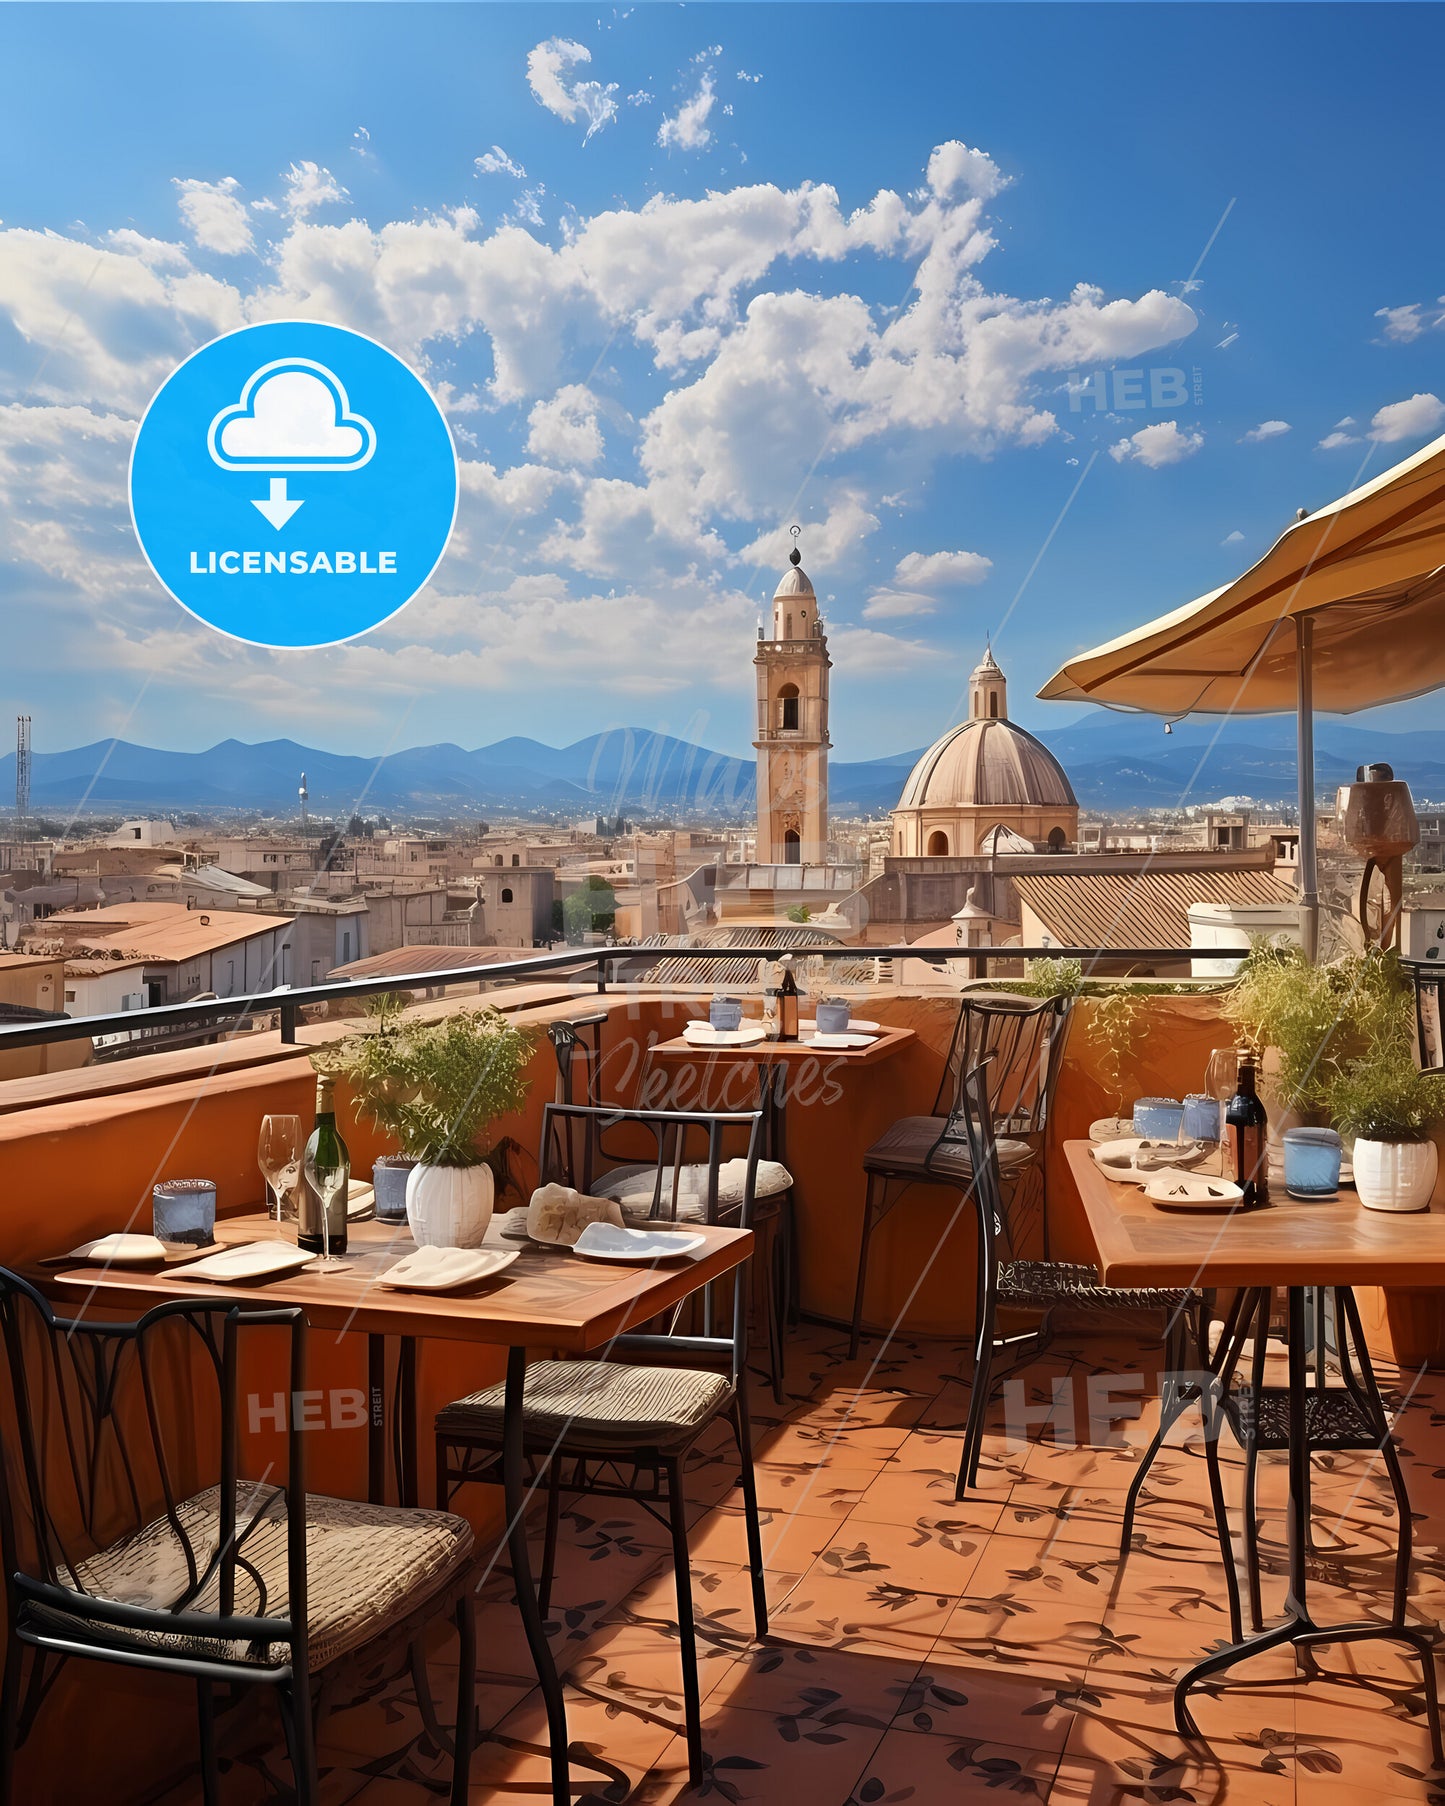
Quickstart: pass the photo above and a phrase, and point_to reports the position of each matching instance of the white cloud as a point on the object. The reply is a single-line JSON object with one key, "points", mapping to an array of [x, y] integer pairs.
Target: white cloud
{"points": [[1349, 420], [1403, 325], [1236, 538], [527, 208], [214, 214], [1267, 429], [361, 144], [687, 128], [496, 162], [1333, 441], [931, 570], [743, 76], [897, 604], [1157, 445], [1410, 419], [309, 186], [869, 653], [581, 101], [955, 171], [768, 384], [564, 429]]}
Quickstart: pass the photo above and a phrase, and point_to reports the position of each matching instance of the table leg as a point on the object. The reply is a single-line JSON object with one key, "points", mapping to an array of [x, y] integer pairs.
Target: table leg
{"points": [[376, 1419], [513, 1484], [1297, 1626], [406, 1486]]}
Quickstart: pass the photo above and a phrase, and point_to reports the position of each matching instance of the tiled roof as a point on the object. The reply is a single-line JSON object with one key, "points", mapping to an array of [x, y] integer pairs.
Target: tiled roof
{"points": [[1139, 909], [401, 962], [155, 931]]}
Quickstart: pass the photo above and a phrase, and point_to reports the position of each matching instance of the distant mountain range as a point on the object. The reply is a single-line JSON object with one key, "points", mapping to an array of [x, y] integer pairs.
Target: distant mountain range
{"points": [[1114, 762]]}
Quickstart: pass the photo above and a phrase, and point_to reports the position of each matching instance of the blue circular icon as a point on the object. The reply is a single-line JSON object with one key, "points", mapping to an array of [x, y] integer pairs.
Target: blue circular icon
{"points": [[293, 484]]}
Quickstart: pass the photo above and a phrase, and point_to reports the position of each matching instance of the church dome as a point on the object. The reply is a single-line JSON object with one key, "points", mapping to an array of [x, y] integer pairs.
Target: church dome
{"points": [[991, 764]]}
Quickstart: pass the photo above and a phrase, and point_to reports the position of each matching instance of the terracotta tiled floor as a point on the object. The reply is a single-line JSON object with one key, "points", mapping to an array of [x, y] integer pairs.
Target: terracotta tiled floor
{"points": [[925, 1650]]}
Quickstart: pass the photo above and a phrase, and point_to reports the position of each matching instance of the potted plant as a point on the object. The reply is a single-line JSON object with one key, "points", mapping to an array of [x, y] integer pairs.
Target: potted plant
{"points": [[1389, 1107], [437, 1087], [1310, 1024]]}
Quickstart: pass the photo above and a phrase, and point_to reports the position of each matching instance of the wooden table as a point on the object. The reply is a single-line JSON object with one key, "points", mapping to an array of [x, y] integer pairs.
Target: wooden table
{"points": [[1298, 1246], [786, 1070], [545, 1299]]}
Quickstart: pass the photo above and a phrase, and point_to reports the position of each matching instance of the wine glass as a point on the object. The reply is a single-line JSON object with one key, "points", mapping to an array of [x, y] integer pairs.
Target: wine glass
{"points": [[1221, 1078], [278, 1154], [328, 1183]]}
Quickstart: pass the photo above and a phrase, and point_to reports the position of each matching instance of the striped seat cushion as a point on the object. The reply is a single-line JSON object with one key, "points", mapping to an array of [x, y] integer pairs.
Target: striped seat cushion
{"points": [[909, 1147], [367, 1566], [597, 1404], [636, 1187]]}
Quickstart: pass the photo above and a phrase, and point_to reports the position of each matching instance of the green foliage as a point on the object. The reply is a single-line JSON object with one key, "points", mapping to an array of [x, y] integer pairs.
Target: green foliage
{"points": [[1114, 1033], [1387, 1099], [435, 1087], [592, 907], [799, 912], [1321, 1020], [1054, 977]]}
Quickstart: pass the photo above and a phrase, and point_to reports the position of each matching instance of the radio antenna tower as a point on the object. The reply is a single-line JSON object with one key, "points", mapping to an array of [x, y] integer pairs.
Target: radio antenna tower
{"points": [[304, 793], [22, 775]]}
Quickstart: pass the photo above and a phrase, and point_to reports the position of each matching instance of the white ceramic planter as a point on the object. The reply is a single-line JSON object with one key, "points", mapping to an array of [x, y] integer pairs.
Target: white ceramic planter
{"points": [[1395, 1175], [449, 1206]]}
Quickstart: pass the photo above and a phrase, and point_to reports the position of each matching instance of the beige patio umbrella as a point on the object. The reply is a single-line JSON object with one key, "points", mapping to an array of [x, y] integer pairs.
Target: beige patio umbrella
{"points": [[1345, 611]]}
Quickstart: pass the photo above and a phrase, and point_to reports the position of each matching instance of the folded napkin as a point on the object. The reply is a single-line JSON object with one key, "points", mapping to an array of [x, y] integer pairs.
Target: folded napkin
{"points": [[557, 1213]]}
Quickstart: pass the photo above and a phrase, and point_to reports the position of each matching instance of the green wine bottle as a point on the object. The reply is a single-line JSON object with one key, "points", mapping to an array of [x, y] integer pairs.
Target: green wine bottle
{"points": [[325, 1179]]}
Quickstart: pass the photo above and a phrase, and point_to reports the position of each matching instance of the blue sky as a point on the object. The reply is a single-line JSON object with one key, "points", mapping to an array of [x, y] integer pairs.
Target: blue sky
{"points": [[684, 275]]}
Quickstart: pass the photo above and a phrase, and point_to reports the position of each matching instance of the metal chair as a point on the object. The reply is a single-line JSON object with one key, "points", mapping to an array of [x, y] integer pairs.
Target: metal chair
{"points": [[609, 1170], [623, 1426], [134, 1531], [1428, 983], [1021, 1042], [1032, 1284]]}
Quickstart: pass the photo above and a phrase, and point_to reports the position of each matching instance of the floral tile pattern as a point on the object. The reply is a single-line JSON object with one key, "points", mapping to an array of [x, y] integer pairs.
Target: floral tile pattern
{"points": [[925, 1649]]}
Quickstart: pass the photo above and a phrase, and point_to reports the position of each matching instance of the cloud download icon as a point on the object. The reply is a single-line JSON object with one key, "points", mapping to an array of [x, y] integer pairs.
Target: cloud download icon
{"points": [[287, 399]]}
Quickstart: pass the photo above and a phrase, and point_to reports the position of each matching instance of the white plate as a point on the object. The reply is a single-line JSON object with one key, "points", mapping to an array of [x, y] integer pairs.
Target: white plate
{"points": [[838, 1043], [1135, 1161], [248, 1261], [1174, 1190], [120, 1251], [703, 1034], [444, 1269], [360, 1203], [605, 1241], [856, 1025]]}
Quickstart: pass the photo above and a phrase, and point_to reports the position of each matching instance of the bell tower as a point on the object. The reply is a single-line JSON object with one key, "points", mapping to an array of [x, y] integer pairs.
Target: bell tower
{"points": [[792, 739]]}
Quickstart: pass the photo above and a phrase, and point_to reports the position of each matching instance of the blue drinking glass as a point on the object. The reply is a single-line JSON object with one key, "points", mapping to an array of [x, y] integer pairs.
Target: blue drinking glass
{"points": [[1311, 1163], [1158, 1118], [184, 1210], [725, 1014], [1201, 1117]]}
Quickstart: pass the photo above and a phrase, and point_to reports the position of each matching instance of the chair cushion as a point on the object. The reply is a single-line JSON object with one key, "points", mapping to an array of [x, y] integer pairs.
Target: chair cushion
{"points": [[1050, 1282], [906, 1146], [633, 1188], [367, 1566], [597, 1404]]}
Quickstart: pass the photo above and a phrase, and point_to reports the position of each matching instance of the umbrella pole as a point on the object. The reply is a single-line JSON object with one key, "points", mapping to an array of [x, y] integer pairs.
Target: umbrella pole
{"points": [[1309, 901]]}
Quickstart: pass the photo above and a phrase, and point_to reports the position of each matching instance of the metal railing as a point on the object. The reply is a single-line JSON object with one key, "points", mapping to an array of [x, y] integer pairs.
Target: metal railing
{"points": [[605, 966]]}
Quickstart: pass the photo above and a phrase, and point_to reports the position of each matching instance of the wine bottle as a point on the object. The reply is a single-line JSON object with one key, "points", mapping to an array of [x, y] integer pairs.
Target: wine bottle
{"points": [[1245, 1128], [325, 1178], [788, 1002]]}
